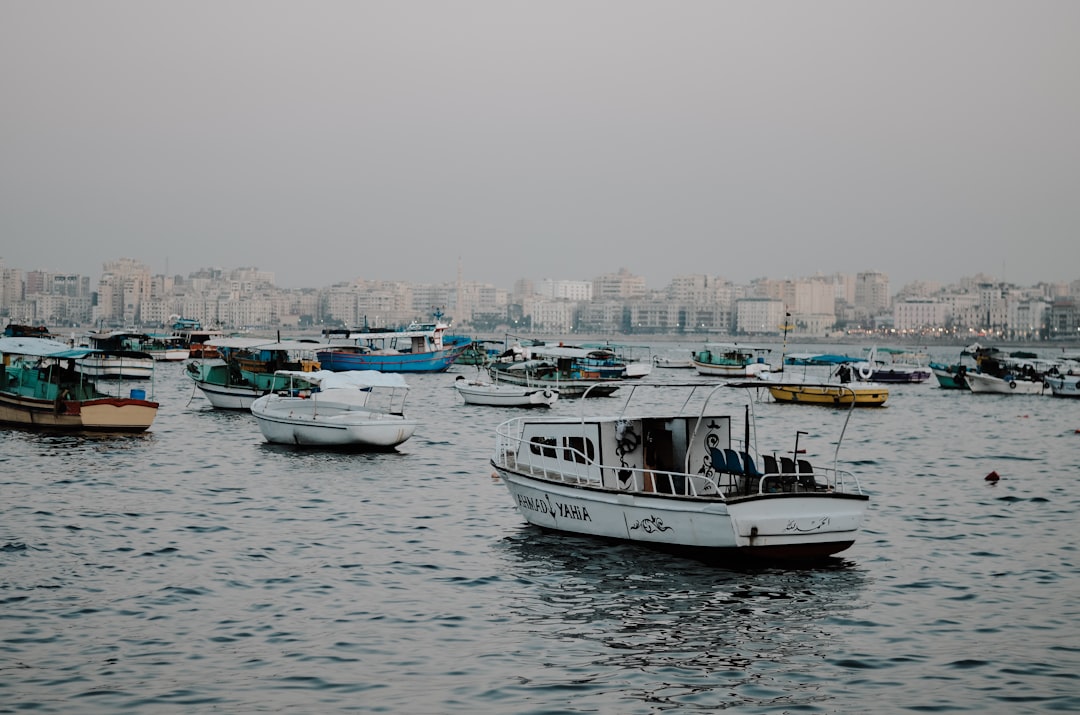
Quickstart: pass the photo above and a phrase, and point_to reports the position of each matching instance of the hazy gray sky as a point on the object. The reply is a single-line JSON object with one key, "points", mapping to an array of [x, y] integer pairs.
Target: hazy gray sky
{"points": [[327, 141]]}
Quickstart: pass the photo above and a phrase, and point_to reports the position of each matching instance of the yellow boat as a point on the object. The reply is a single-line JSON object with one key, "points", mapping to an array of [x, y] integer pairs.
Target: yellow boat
{"points": [[842, 395]]}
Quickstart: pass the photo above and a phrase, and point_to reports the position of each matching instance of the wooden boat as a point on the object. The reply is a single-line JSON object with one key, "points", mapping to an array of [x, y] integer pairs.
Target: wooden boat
{"points": [[1017, 373], [117, 355], [731, 360], [248, 369], [18, 330], [190, 333], [478, 352], [953, 376], [832, 394], [950, 376], [417, 348], [681, 481], [167, 348], [481, 392], [560, 374], [635, 359], [335, 409], [672, 363], [40, 388], [903, 366]]}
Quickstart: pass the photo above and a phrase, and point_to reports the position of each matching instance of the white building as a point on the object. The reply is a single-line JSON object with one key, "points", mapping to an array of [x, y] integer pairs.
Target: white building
{"points": [[759, 316], [917, 315]]}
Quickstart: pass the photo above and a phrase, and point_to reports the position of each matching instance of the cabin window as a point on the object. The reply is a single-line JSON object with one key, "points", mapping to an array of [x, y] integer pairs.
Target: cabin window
{"points": [[579, 449], [543, 446]]}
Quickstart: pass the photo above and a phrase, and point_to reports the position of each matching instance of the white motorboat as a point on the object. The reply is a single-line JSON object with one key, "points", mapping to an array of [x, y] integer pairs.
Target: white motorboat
{"points": [[731, 360], [1064, 385], [678, 481], [337, 410], [480, 392], [981, 382], [666, 361]]}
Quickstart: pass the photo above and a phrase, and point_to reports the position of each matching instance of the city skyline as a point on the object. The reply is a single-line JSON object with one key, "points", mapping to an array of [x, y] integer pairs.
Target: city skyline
{"points": [[894, 287], [924, 140]]}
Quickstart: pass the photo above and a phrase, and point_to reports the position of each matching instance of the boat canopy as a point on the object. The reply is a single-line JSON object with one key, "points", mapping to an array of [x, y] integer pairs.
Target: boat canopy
{"points": [[42, 347], [264, 344], [819, 359]]}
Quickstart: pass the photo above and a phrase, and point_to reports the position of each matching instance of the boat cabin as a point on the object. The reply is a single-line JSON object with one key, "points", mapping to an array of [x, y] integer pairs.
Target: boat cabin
{"points": [[632, 454]]}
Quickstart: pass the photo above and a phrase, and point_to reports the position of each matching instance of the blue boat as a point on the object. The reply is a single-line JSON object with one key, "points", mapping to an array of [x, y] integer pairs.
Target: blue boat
{"points": [[417, 348]]}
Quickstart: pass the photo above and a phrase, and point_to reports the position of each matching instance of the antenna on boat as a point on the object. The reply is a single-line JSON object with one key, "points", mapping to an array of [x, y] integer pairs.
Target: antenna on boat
{"points": [[787, 327], [795, 454]]}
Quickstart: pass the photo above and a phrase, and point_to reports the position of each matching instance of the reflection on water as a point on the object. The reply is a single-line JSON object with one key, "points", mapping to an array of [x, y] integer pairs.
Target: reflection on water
{"points": [[675, 632]]}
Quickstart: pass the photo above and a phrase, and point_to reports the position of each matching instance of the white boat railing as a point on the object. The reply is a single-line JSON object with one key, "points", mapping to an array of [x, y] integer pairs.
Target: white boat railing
{"points": [[574, 467]]}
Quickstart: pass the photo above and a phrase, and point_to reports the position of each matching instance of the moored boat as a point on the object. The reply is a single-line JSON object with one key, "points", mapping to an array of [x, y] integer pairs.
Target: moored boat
{"points": [[1017, 373], [248, 369], [190, 333], [560, 374], [117, 355], [731, 360], [903, 366], [950, 376], [806, 391], [673, 363], [335, 409], [417, 348], [683, 481], [635, 359], [167, 348], [1007, 384], [1064, 385], [40, 388], [481, 392]]}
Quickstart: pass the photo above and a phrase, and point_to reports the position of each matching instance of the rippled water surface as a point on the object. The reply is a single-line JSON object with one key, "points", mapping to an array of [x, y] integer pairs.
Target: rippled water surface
{"points": [[197, 569]]}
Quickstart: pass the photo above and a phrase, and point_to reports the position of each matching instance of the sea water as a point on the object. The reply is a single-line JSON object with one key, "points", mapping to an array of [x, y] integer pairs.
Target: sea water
{"points": [[196, 568]]}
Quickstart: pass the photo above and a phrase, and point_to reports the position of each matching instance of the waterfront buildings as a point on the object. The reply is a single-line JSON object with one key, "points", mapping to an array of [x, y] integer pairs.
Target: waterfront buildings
{"points": [[128, 293]]}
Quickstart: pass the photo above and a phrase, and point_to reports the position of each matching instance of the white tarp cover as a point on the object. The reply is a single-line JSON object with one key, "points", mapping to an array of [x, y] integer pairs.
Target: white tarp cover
{"points": [[41, 347], [328, 379]]}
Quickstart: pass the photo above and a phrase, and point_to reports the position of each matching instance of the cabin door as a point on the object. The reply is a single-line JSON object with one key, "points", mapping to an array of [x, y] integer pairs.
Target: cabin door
{"points": [[659, 446]]}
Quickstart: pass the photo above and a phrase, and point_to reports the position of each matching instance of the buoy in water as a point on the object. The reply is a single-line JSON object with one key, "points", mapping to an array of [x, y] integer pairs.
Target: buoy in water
{"points": [[992, 477]]}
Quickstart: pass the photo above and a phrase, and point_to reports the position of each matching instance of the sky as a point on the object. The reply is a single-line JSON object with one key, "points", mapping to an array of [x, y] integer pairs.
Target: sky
{"points": [[328, 141]]}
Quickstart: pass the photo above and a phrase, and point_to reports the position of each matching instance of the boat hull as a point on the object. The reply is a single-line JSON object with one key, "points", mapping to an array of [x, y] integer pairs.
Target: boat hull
{"points": [[901, 376], [950, 379], [506, 395], [435, 361], [105, 414], [227, 397], [306, 422], [762, 526], [1064, 386], [109, 368], [830, 396], [981, 383], [753, 369], [171, 355], [225, 392], [673, 363]]}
